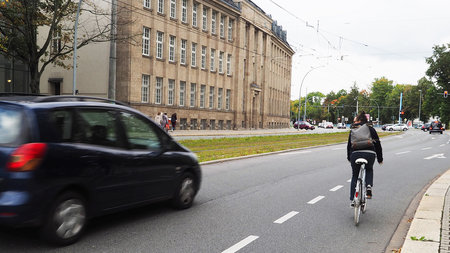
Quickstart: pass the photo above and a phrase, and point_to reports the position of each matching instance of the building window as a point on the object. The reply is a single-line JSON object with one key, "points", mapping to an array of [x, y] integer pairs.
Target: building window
{"points": [[227, 100], [146, 41], [211, 97], [213, 22], [172, 41], [170, 92], [145, 88], [56, 42], [213, 53], [222, 26], [219, 98], [202, 96], [220, 62], [159, 45], [193, 94], [183, 52], [230, 29], [158, 90], [194, 55], [161, 6], [182, 92], [147, 4], [184, 11], [229, 64], [205, 19], [194, 14], [203, 57], [173, 9]]}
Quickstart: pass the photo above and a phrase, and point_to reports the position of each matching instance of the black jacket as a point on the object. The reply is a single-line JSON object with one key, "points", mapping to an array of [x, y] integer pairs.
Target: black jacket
{"points": [[376, 147]]}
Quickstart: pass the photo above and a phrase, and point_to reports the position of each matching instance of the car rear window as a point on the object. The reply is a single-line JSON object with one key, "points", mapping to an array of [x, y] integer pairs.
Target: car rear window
{"points": [[11, 125]]}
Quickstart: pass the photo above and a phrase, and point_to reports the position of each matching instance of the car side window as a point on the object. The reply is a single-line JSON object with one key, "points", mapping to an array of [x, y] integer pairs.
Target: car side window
{"points": [[140, 133], [62, 121], [97, 127]]}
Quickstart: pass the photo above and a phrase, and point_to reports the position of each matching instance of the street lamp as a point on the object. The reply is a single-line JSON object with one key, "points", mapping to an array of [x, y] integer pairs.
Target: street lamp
{"points": [[300, 93], [75, 38], [420, 102]]}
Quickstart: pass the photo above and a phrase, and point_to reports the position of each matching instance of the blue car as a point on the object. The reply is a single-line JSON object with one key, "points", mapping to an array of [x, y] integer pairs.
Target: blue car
{"points": [[65, 159]]}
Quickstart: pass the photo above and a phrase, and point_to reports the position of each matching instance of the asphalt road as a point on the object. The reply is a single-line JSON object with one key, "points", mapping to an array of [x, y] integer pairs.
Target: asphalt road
{"points": [[289, 202]]}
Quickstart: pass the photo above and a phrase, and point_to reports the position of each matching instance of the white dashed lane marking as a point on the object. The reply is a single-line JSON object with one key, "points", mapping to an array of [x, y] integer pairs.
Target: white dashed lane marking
{"points": [[426, 148], [401, 153], [441, 145], [338, 148], [315, 200], [336, 188], [241, 244], [286, 217], [348, 181]]}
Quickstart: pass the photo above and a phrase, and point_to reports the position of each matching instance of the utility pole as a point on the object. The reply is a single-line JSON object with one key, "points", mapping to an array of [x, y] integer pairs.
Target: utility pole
{"points": [[400, 111], [112, 53], [75, 38], [306, 98], [420, 102]]}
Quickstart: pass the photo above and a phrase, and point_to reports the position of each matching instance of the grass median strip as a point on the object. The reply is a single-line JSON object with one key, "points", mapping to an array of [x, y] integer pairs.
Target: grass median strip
{"points": [[220, 148]]}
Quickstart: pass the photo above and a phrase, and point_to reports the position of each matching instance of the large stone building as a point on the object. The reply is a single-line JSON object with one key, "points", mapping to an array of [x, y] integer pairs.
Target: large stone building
{"points": [[218, 64]]}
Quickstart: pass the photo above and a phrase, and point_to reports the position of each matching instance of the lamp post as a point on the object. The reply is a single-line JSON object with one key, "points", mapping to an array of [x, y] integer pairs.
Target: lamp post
{"points": [[378, 119], [75, 37], [300, 93], [420, 102]]}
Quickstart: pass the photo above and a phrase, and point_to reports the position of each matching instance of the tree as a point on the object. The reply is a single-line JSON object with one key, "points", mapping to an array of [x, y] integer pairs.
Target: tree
{"points": [[380, 90], [23, 24], [439, 69]]}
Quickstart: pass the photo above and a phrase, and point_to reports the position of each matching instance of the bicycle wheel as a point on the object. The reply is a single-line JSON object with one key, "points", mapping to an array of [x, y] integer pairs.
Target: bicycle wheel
{"points": [[358, 198], [364, 201]]}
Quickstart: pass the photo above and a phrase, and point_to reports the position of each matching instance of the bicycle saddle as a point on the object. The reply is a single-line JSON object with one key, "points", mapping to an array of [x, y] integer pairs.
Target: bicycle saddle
{"points": [[361, 161]]}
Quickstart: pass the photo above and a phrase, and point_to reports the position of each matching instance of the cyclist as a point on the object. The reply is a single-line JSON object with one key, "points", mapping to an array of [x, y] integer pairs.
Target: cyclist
{"points": [[369, 152]]}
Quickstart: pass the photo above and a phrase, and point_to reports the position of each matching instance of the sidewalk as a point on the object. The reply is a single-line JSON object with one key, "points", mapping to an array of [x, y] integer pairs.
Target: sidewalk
{"points": [[234, 132], [432, 216]]}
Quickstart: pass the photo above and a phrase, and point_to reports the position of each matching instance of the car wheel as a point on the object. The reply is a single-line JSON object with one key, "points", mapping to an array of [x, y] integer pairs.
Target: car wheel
{"points": [[404, 129], [390, 129], [186, 190], [66, 219]]}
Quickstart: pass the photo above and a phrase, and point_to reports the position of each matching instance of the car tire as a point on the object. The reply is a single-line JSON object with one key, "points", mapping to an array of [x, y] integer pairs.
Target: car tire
{"points": [[66, 219], [186, 191], [390, 129], [404, 129]]}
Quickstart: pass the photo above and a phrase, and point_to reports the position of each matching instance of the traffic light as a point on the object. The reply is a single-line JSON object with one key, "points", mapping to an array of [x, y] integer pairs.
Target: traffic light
{"points": [[402, 112], [445, 94]]}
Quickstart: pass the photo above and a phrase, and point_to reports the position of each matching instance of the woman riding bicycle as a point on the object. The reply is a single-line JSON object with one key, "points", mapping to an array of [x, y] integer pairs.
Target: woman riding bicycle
{"points": [[358, 147]]}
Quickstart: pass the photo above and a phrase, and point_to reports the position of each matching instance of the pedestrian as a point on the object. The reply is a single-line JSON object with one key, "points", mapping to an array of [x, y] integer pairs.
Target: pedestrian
{"points": [[363, 142], [158, 118], [164, 122], [173, 118]]}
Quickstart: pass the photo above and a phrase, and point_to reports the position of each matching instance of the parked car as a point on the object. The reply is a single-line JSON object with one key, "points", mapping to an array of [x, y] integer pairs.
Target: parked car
{"points": [[426, 127], [385, 126], [397, 127], [63, 161], [329, 125], [341, 126], [437, 127], [303, 125]]}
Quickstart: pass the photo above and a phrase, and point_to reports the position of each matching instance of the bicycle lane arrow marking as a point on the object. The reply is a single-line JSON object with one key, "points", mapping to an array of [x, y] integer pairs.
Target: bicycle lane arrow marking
{"points": [[440, 156]]}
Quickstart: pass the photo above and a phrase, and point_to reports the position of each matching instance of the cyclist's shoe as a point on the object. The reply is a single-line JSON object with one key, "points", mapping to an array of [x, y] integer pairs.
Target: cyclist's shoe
{"points": [[369, 192]]}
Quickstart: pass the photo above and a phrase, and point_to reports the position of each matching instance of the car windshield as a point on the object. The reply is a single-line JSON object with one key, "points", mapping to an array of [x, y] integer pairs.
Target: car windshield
{"points": [[10, 125]]}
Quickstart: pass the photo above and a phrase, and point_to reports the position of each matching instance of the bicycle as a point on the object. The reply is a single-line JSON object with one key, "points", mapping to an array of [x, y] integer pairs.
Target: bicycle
{"points": [[360, 193]]}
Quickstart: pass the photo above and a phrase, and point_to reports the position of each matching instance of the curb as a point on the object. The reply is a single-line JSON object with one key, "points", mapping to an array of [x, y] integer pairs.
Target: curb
{"points": [[426, 225]]}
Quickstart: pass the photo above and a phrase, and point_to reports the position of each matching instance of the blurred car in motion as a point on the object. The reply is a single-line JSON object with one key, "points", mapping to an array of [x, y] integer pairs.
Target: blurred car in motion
{"points": [[303, 125], [63, 161], [341, 126], [385, 126], [426, 127], [397, 127], [436, 127]]}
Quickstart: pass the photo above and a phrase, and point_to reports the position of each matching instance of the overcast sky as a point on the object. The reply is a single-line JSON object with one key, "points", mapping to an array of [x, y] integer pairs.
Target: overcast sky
{"points": [[358, 40]]}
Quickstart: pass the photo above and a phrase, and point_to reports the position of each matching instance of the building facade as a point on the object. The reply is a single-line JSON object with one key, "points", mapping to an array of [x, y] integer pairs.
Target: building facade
{"points": [[218, 64]]}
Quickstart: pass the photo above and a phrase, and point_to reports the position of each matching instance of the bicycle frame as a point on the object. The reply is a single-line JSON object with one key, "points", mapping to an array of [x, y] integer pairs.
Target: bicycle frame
{"points": [[360, 191]]}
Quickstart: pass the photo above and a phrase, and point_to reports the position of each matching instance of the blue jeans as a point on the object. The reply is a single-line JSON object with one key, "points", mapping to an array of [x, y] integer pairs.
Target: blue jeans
{"points": [[370, 157]]}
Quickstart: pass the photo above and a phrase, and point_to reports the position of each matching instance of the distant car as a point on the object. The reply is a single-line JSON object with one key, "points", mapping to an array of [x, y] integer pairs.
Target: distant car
{"points": [[397, 127], [321, 125], [341, 126], [436, 127], [329, 125], [65, 159], [303, 125], [385, 126], [425, 127]]}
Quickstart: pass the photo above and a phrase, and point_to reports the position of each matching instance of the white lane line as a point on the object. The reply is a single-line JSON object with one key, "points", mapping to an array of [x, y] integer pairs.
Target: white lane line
{"points": [[338, 148], [336, 188], [433, 138], [426, 148], [401, 153], [315, 200], [295, 153], [286, 217], [241, 244], [348, 181], [441, 145], [399, 136], [441, 156]]}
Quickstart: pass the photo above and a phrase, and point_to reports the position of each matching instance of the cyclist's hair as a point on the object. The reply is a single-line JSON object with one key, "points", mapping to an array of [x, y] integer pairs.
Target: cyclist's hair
{"points": [[362, 117]]}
